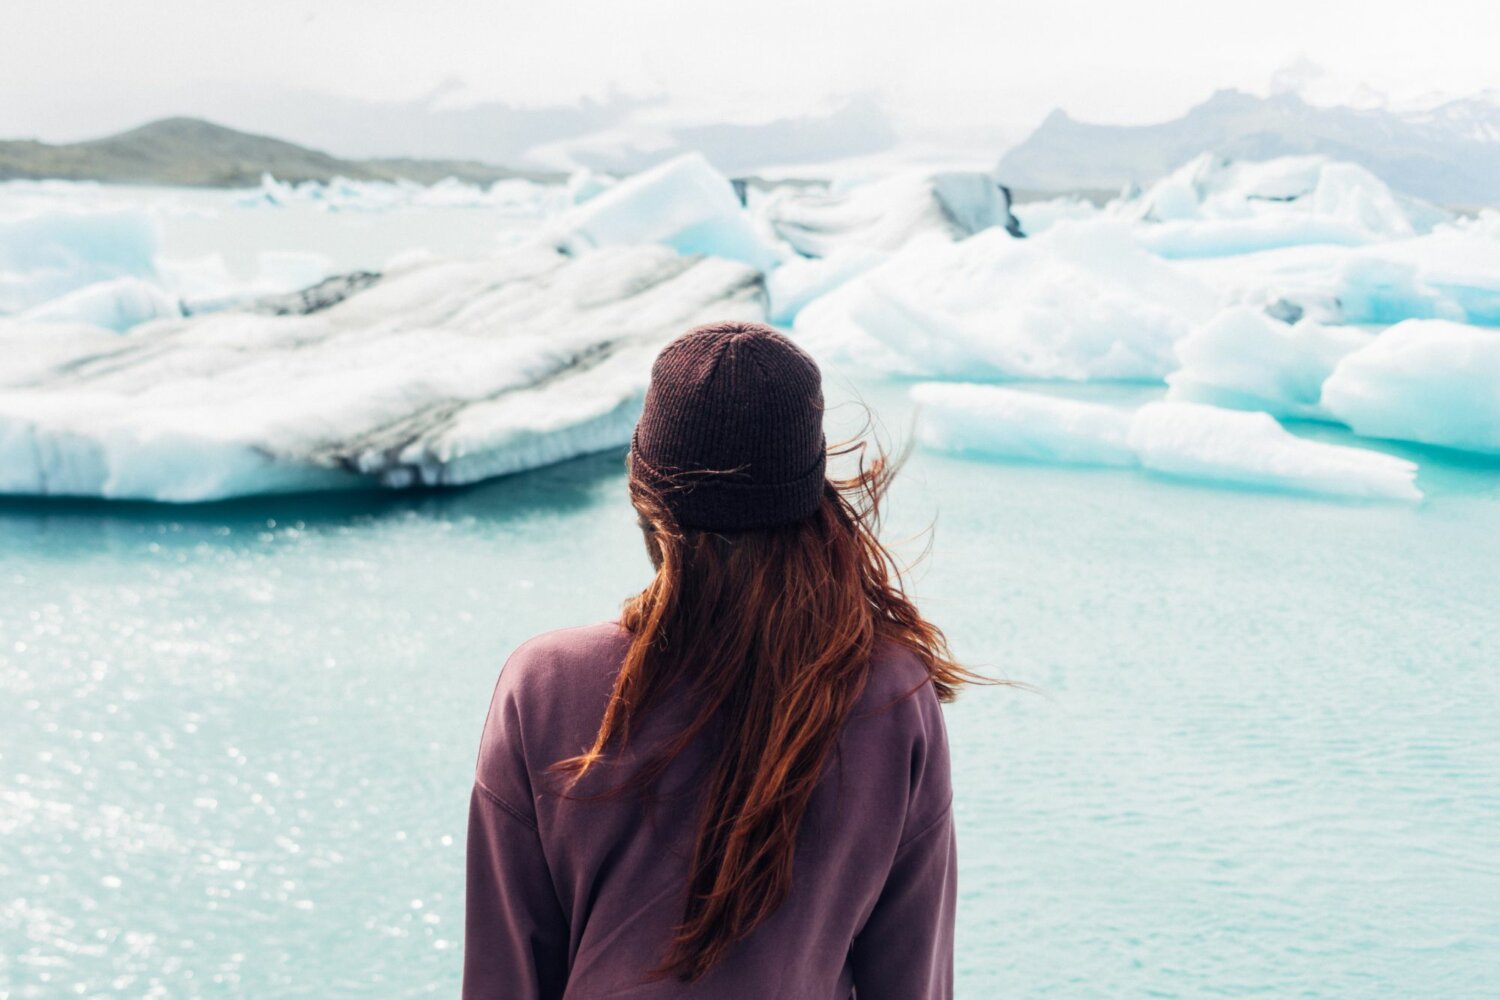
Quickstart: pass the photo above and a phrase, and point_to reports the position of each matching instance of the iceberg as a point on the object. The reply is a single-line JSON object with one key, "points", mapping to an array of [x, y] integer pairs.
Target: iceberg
{"points": [[1182, 440], [1214, 207], [1245, 360], [1037, 216], [49, 252], [513, 196], [1081, 301], [442, 372], [1450, 273], [887, 214], [115, 305], [683, 203], [1430, 381], [803, 280]]}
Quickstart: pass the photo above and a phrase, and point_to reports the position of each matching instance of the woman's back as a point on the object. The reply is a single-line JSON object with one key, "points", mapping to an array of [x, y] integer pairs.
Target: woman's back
{"points": [[739, 788], [577, 896]]}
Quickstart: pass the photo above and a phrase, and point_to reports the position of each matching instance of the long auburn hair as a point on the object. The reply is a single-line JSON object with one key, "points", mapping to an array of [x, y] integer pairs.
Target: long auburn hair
{"points": [[769, 634]]}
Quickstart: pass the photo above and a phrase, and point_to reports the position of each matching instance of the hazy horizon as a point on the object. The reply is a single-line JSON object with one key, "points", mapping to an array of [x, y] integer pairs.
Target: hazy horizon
{"points": [[370, 80]]}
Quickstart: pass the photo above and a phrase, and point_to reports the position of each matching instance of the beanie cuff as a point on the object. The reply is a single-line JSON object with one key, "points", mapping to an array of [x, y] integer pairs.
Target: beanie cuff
{"points": [[706, 500]]}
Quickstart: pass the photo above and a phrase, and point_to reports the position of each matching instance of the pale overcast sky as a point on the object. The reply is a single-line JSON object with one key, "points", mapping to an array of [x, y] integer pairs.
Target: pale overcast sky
{"points": [[76, 68]]}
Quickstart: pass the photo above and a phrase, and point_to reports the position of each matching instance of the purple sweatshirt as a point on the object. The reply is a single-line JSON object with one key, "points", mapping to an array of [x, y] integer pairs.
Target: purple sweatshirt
{"points": [[576, 899]]}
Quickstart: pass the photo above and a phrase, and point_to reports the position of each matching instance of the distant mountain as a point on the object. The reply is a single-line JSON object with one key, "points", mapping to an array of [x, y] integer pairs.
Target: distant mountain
{"points": [[616, 133], [1449, 154], [190, 151]]}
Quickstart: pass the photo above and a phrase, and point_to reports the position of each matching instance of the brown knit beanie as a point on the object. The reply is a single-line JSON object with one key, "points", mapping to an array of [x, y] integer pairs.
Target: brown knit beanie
{"points": [[731, 437]]}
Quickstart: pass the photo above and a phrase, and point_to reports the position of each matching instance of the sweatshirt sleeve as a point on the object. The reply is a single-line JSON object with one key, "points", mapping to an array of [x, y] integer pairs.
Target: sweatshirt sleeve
{"points": [[515, 936], [905, 951]]}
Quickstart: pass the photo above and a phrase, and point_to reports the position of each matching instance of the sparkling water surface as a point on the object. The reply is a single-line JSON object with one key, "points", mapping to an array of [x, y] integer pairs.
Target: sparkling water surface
{"points": [[236, 740]]}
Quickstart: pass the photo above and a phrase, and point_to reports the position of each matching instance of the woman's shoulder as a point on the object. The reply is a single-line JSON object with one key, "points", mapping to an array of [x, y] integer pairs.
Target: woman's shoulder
{"points": [[898, 675], [549, 697], [555, 658]]}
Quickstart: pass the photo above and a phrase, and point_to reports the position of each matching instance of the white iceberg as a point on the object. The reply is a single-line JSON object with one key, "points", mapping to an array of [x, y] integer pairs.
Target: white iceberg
{"points": [[1038, 216], [1184, 440], [1079, 302], [1215, 207], [1430, 381], [1245, 360], [47, 253], [887, 214], [1450, 273], [684, 203], [114, 305], [513, 196], [803, 280], [444, 372]]}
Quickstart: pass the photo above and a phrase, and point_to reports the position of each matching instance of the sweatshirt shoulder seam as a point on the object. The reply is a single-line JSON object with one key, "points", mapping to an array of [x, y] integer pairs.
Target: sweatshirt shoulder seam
{"points": [[504, 806], [927, 828]]}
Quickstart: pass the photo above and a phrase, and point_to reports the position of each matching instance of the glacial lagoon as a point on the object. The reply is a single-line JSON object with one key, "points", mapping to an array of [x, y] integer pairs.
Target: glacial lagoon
{"points": [[1260, 756], [237, 738]]}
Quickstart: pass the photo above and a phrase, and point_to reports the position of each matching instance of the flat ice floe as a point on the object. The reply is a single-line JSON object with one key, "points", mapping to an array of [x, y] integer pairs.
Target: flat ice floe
{"points": [[1081, 301], [444, 372], [1184, 440]]}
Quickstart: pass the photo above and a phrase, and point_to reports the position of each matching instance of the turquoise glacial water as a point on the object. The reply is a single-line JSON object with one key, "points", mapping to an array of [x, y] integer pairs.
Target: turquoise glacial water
{"points": [[236, 741]]}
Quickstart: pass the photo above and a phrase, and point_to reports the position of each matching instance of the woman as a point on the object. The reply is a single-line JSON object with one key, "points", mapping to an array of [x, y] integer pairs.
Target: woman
{"points": [[739, 788]]}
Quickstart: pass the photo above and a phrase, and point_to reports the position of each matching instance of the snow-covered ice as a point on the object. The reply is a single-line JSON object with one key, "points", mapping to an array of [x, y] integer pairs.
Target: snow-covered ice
{"points": [[1184, 440], [1431, 381], [444, 372], [1081, 301], [684, 203]]}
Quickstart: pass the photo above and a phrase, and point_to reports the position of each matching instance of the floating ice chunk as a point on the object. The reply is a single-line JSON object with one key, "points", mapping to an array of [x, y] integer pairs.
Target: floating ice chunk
{"points": [[1459, 267], [1430, 381], [514, 196], [115, 305], [1209, 444], [887, 214], [1082, 301], [1216, 207], [585, 184], [684, 203], [1230, 237], [803, 279], [990, 421], [1037, 216], [1245, 360], [1185, 440], [49, 253], [441, 373], [1447, 274]]}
